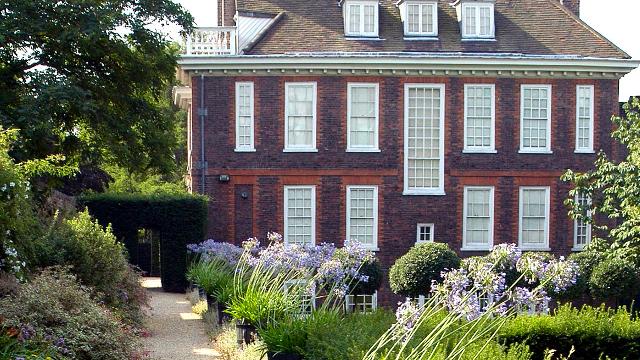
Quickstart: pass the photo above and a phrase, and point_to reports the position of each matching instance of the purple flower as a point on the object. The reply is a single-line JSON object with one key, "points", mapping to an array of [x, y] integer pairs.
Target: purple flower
{"points": [[27, 332], [407, 316], [222, 250]]}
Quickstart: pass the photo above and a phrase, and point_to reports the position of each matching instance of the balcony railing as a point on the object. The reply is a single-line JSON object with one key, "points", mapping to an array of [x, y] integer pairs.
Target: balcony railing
{"points": [[211, 41]]}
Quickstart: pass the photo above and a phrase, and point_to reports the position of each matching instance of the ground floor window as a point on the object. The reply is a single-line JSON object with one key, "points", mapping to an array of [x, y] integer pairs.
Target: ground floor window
{"points": [[361, 303]]}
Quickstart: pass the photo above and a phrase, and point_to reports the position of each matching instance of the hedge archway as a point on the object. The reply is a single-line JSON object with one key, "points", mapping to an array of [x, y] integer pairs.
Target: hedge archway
{"points": [[178, 219]]}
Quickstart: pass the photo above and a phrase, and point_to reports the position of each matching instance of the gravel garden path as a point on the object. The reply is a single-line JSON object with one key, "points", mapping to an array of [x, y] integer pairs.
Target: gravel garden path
{"points": [[175, 332]]}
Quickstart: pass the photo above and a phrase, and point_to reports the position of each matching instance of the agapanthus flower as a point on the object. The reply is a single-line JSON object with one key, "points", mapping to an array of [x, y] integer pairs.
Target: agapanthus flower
{"points": [[407, 316]]}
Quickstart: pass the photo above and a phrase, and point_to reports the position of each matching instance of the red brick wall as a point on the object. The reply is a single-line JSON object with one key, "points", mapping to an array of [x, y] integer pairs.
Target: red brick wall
{"points": [[262, 174]]}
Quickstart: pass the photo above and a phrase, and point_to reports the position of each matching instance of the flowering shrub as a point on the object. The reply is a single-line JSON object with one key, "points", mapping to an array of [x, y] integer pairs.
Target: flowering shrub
{"points": [[54, 304], [27, 342], [482, 281], [211, 248]]}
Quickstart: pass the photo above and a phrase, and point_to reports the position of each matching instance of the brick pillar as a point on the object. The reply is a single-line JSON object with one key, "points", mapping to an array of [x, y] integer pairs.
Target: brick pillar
{"points": [[228, 12]]}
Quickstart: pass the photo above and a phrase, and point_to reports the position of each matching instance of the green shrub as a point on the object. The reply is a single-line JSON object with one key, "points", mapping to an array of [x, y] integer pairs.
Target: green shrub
{"points": [[215, 277], [334, 337], [412, 274], [591, 331], [179, 219], [615, 278], [98, 260], [587, 260], [54, 302]]}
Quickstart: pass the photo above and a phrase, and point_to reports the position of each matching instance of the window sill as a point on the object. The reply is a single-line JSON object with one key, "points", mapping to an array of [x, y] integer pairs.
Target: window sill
{"points": [[584, 152], [577, 249], [245, 150], [300, 150], [492, 39], [479, 151], [534, 152], [475, 249], [424, 193], [408, 37], [363, 150], [362, 37], [535, 248]]}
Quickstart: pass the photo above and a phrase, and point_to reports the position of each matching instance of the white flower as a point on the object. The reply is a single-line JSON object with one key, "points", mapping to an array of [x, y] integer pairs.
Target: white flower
{"points": [[12, 184]]}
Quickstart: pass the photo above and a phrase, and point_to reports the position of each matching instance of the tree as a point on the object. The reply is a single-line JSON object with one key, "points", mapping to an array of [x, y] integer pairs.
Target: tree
{"points": [[614, 188], [89, 79]]}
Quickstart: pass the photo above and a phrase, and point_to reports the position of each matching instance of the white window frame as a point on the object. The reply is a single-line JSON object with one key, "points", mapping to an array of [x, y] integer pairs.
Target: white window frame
{"points": [[422, 4], [374, 246], [436, 191], [547, 149], [349, 302], [362, 3], [545, 246], [576, 246], [286, 211], [313, 146], [375, 147], [476, 35], [431, 233], [251, 147], [491, 149], [475, 247], [587, 150]]}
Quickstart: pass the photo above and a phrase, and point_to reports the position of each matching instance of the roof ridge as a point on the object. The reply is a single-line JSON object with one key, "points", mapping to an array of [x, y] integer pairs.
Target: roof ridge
{"points": [[573, 16]]}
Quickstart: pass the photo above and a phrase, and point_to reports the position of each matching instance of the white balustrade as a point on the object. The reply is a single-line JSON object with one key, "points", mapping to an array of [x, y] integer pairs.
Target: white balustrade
{"points": [[212, 41]]}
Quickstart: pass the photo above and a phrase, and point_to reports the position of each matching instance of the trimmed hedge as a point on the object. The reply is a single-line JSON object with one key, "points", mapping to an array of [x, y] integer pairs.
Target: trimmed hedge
{"points": [[179, 219], [593, 332]]}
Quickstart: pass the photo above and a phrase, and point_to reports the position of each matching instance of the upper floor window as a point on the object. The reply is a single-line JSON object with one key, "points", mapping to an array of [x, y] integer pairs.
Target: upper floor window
{"points": [[424, 139], [361, 18], [479, 118], [535, 122], [584, 118], [300, 215], [420, 18], [300, 117], [534, 218], [244, 117], [362, 122], [478, 21], [362, 215], [582, 228]]}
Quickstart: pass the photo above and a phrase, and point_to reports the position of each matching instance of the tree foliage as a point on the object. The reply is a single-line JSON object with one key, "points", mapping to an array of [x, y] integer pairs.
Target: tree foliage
{"points": [[89, 79], [614, 188]]}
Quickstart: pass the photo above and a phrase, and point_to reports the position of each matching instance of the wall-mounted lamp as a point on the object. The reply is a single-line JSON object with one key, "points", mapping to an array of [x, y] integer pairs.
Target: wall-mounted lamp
{"points": [[224, 178], [244, 195]]}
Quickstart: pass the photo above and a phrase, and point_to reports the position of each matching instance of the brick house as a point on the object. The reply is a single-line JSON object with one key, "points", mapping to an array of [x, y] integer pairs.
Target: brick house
{"points": [[394, 122]]}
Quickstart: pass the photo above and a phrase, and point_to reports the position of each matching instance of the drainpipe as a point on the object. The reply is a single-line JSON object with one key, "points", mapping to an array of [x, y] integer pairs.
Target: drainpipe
{"points": [[202, 112]]}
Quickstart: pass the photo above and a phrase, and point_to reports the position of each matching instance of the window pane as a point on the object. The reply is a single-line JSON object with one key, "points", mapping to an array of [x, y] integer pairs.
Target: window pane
{"points": [[584, 131], [427, 18], [361, 215], [369, 18], [582, 227], [362, 119], [470, 20], [423, 152], [244, 116], [479, 106], [536, 118], [478, 217], [485, 21], [413, 18], [300, 115], [354, 19], [300, 216], [534, 216]]}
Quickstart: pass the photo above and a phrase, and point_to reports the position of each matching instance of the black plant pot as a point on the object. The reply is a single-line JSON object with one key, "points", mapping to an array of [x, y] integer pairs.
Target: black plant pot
{"points": [[211, 302], [201, 293], [245, 333], [282, 356], [222, 316]]}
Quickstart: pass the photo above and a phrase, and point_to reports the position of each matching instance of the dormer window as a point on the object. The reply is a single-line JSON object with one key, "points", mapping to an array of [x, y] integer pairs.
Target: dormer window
{"points": [[477, 20], [360, 18], [420, 18]]}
